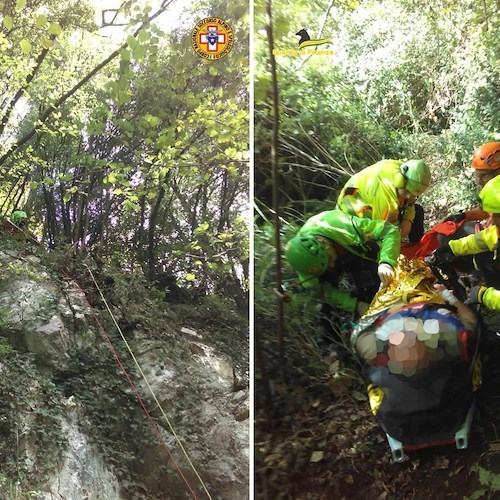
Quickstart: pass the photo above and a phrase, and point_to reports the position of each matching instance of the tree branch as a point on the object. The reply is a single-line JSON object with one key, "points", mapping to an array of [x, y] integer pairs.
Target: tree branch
{"points": [[23, 87], [275, 176], [61, 100]]}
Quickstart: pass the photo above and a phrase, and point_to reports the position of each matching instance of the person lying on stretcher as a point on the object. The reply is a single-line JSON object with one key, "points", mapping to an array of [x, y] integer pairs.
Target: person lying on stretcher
{"points": [[413, 321]]}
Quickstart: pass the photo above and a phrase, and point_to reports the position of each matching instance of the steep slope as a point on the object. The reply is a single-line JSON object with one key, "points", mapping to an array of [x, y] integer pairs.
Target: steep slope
{"points": [[71, 425]]}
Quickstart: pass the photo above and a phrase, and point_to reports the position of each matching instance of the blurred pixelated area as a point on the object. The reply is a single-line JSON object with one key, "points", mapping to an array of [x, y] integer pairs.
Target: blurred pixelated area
{"points": [[322, 442]]}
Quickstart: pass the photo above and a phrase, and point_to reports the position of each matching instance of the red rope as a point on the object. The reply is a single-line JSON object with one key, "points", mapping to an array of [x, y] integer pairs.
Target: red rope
{"points": [[134, 388]]}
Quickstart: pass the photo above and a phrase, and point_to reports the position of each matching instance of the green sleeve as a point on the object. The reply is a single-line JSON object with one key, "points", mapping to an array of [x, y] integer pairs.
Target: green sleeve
{"points": [[338, 299], [385, 234], [308, 281], [330, 294]]}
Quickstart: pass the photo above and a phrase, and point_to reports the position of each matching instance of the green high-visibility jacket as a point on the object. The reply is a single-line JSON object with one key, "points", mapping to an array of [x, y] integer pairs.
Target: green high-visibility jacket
{"points": [[18, 216], [358, 237], [372, 193], [484, 241], [491, 298]]}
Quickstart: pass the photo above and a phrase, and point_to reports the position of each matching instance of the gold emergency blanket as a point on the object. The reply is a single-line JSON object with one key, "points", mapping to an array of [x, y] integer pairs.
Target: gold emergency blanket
{"points": [[413, 282]]}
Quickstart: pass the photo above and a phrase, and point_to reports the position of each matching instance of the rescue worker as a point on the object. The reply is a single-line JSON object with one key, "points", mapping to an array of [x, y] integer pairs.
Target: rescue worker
{"points": [[19, 218], [388, 190], [332, 243], [486, 163], [483, 242]]}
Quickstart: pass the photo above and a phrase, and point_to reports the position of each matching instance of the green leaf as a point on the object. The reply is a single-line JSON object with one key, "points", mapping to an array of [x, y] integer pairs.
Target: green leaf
{"points": [[47, 43], [125, 55], [144, 35], [190, 277], [20, 4], [55, 29], [131, 42], [129, 206], [213, 70], [8, 22], [139, 51], [41, 21], [67, 197], [154, 121], [231, 152], [25, 46]]}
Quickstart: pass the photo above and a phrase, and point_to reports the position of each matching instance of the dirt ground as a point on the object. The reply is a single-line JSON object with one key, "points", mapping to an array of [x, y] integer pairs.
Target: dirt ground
{"points": [[318, 440]]}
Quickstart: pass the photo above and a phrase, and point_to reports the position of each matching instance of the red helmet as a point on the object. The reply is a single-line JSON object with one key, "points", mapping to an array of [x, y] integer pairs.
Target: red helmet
{"points": [[487, 157]]}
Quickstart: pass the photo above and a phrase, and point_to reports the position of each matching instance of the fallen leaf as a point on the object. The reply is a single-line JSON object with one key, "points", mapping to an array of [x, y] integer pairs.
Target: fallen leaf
{"points": [[359, 396], [316, 456], [332, 427], [334, 367], [441, 463], [338, 387]]}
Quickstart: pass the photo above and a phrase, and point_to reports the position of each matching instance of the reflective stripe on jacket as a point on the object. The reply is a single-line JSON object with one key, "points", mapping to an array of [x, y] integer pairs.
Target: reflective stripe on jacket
{"points": [[484, 241], [491, 298]]}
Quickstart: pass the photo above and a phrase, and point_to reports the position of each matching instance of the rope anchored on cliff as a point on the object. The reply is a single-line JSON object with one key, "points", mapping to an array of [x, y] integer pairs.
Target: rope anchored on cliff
{"points": [[136, 392]]}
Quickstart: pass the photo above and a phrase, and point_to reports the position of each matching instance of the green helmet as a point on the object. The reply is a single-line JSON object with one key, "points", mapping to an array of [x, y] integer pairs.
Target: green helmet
{"points": [[307, 255], [490, 196], [417, 176]]}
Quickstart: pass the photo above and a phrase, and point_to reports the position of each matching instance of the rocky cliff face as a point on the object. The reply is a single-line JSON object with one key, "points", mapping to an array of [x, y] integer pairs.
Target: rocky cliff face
{"points": [[70, 424]]}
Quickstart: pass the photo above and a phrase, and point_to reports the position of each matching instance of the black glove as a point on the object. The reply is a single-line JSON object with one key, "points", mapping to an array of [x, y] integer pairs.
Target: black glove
{"points": [[440, 256], [476, 295], [459, 217]]}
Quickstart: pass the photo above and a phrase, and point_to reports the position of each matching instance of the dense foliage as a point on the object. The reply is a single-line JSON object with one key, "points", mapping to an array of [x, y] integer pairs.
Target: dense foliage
{"points": [[121, 142], [405, 79]]}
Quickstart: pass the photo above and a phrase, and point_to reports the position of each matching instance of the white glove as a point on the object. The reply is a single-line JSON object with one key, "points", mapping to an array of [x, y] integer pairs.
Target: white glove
{"points": [[385, 273], [448, 296]]}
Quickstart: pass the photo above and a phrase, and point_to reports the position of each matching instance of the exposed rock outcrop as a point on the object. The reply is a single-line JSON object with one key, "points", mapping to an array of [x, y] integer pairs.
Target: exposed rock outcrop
{"points": [[106, 448]]}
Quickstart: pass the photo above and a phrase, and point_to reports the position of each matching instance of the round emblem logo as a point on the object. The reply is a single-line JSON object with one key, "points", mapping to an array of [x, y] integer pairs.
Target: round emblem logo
{"points": [[212, 38]]}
